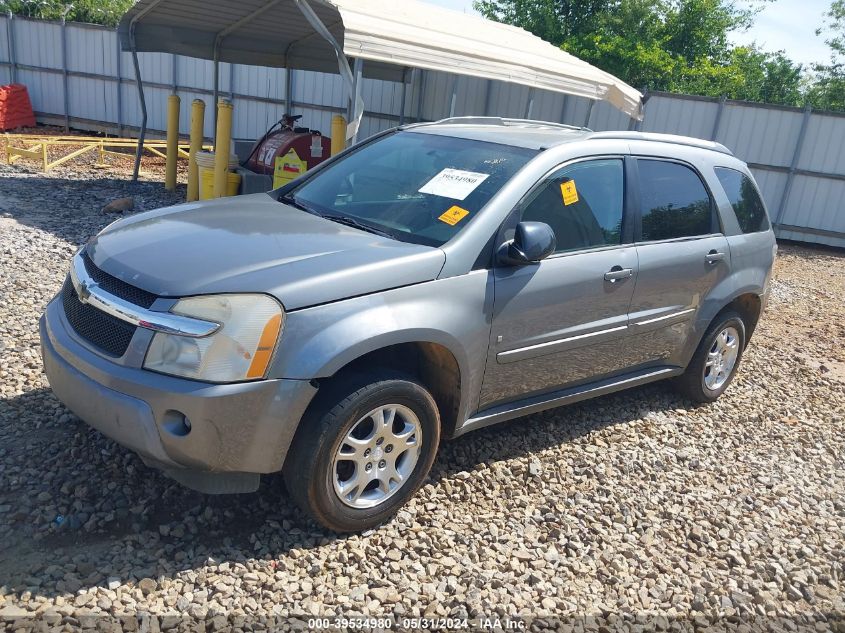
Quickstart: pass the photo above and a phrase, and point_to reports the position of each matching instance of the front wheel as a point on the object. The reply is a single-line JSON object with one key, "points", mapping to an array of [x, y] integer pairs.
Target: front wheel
{"points": [[715, 362], [363, 452]]}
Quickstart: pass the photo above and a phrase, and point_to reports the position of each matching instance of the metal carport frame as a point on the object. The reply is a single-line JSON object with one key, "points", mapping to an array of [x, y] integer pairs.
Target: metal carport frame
{"points": [[390, 37]]}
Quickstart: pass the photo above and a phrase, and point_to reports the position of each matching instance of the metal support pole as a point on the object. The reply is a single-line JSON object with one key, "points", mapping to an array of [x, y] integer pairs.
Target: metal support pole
{"points": [[589, 113], [718, 120], [358, 73], [231, 82], [197, 127], [289, 74], [66, 94], [143, 101], [174, 73], [172, 155], [404, 96], [10, 32], [215, 94], [119, 87], [338, 134], [454, 98], [796, 157], [222, 148]]}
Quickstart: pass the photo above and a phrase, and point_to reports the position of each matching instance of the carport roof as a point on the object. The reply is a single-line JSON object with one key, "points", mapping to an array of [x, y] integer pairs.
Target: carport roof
{"points": [[390, 35]]}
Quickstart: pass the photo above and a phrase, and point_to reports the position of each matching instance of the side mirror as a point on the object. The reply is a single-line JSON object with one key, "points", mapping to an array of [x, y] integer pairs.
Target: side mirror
{"points": [[532, 241]]}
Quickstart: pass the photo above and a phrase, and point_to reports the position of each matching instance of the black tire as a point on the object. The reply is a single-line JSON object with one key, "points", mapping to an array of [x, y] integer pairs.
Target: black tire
{"points": [[309, 469], [692, 382]]}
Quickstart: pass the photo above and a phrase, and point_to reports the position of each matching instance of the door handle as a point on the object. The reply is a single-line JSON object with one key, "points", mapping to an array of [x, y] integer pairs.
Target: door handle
{"points": [[618, 273], [714, 257]]}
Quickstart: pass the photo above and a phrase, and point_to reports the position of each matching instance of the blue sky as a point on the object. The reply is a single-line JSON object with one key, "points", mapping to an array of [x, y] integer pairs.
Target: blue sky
{"points": [[788, 25]]}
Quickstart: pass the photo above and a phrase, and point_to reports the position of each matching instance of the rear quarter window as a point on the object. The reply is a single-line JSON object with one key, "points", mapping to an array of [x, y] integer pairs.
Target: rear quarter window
{"points": [[745, 200]]}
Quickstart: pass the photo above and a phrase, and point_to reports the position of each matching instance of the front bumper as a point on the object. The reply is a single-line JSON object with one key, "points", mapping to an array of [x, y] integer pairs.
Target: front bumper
{"points": [[237, 431]]}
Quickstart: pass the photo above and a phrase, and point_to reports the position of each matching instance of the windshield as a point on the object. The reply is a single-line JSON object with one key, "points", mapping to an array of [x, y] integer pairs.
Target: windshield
{"points": [[412, 186]]}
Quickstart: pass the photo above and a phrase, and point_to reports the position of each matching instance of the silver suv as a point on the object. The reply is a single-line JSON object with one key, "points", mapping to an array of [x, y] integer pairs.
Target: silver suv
{"points": [[432, 280]]}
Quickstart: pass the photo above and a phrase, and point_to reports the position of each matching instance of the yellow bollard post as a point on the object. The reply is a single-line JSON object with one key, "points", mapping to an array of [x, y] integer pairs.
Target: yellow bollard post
{"points": [[338, 134], [172, 142], [221, 149], [197, 126]]}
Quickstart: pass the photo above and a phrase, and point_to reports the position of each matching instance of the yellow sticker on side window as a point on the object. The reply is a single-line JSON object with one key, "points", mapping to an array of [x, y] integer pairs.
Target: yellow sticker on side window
{"points": [[453, 215], [570, 193]]}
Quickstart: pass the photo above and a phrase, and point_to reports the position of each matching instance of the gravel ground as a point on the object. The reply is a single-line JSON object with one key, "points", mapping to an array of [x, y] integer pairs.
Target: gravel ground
{"points": [[637, 509]]}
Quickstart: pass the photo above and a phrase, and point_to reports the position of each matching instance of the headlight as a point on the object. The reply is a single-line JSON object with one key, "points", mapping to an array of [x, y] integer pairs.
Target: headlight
{"points": [[240, 350]]}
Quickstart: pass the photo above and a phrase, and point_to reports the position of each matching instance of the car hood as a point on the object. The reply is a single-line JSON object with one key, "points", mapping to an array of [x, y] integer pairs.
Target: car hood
{"points": [[256, 244]]}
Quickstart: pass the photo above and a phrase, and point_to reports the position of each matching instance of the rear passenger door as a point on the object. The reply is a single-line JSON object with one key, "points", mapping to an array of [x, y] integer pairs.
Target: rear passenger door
{"points": [[682, 255]]}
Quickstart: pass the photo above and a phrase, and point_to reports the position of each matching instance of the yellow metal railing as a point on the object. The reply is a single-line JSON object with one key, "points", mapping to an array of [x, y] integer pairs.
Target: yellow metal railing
{"points": [[39, 147]]}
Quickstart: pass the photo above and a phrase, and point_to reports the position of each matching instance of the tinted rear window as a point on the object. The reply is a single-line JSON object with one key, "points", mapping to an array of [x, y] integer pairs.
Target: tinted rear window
{"points": [[746, 202], [674, 201]]}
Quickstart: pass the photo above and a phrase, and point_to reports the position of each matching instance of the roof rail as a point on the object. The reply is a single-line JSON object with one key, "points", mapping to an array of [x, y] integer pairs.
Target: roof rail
{"points": [[664, 138], [495, 120]]}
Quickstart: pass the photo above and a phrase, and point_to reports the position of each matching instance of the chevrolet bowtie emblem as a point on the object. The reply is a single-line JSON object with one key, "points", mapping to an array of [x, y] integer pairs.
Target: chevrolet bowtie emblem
{"points": [[83, 290]]}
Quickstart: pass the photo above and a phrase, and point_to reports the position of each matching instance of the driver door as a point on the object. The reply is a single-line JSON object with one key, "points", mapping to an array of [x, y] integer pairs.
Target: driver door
{"points": [[564, 320]]}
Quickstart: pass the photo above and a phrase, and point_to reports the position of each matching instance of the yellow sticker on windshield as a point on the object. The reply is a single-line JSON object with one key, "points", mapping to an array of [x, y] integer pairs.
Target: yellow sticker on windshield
{"points": [[454, 215], [570, 193]]}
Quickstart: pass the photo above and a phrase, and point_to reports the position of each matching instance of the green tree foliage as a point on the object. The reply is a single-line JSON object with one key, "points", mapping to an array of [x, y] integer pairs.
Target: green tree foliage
{"points": [[673, 45], [827, 90], [106, 12]]}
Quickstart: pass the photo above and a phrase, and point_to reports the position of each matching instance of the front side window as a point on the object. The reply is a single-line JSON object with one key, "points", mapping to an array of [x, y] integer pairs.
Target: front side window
{"points": [[412, 186], [674, 201], [746, 202], [582, 203]]}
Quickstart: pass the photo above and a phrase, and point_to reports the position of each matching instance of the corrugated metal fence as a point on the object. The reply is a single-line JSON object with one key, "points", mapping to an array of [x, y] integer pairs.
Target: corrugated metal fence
{"points": [[77, 76]]}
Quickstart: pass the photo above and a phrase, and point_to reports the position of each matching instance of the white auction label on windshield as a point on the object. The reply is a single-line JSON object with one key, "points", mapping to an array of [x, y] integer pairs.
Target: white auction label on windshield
{"points": [[453, 183]]}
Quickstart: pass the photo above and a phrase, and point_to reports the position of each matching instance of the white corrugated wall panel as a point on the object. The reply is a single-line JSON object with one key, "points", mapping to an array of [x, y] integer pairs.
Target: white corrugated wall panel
{"points": [[187, 97], [192, 72], [575, 111], [318, 88], [548, 106], [771, 184], [92, 99], [759, 134], [91, 50], [824, 145], [817, 203], [508, 100], [605, 117], [5, 53], [38, 43], [255, 81], [690, 117], [45, 91]]}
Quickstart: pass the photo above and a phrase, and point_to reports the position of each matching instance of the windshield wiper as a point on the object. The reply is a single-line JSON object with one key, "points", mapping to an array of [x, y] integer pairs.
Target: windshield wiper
{"points": [[292, 201], [340, 219], [348, 221]]}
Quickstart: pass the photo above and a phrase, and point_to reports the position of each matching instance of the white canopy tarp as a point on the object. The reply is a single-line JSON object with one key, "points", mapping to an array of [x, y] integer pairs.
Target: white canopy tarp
{"points": [[389, 35]]}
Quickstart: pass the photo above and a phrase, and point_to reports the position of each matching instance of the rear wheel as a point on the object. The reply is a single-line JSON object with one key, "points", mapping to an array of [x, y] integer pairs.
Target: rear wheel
{"points": [[715, 362], [363, 452]]}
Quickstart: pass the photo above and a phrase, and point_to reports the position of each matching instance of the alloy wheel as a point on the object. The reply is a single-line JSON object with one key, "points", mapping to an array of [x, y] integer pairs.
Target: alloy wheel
{"points": [[377, 456]]}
